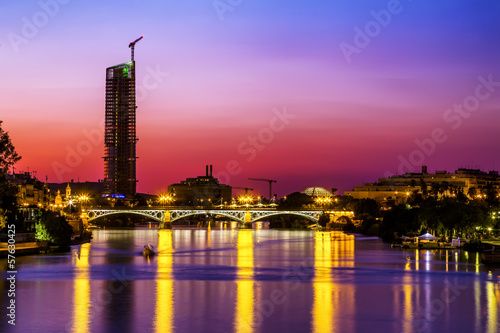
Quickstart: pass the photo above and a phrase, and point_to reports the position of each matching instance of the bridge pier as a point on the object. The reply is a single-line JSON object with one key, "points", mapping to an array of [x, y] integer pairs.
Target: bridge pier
{"points": [[165, 225], [248, 220], [167, 221]]}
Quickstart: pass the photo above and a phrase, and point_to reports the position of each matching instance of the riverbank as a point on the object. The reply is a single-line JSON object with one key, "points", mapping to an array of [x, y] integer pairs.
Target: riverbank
{"points": [[24, 248]]}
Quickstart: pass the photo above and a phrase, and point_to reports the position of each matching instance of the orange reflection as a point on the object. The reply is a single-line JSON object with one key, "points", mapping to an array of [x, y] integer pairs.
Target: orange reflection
{"points": [[342, 249], [492, 300], [245, 295], [331, 249], [81, 298], [408, 305], [164, 308], [322, 284], [477, 304]]}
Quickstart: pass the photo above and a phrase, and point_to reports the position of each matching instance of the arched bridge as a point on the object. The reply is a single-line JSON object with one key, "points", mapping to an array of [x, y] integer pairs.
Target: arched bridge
{"points": [[241, 215]]}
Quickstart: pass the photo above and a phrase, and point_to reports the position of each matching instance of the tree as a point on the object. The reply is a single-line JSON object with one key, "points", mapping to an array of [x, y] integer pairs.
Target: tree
{"points": [[472, 192], [323, 219], [8, 154], [8, 191], [445, 186], [8, 200], [53, 228], [423, 187], [491, 195], [368, 207], [296, 200], [435, 188]]}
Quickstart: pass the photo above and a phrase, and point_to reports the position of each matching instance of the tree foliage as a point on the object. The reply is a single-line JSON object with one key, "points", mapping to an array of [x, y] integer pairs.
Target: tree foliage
{"points": [[366, 207], [8, 154], [323, 220], [54, 228], [8, 191], [296, 200]]}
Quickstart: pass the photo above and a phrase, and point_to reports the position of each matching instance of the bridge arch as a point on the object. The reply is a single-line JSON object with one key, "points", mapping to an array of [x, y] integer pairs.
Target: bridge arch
{"points": [[308, 215], [157, 215], [233, 215], [343, 219]]}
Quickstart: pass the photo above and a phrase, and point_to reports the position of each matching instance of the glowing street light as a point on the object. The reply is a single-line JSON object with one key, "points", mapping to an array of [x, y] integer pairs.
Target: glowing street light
{"points": [[323, 200], [165, 198], [83, 199], [246, 200]]}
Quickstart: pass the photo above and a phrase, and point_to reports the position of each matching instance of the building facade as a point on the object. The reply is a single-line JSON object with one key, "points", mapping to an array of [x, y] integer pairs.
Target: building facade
{"points": [[472, 182], [120, 135], [31, 192], [201, 191]]}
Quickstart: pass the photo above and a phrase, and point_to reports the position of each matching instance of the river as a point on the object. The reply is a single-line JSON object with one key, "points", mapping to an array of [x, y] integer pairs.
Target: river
{"points": [[223, 280]]}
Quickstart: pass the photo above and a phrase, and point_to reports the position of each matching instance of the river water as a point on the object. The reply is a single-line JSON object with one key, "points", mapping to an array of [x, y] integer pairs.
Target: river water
{"points": [[251, 281]]}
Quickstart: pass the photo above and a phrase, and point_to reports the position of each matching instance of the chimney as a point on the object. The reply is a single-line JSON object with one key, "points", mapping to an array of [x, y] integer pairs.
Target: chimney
{"points": [[210, 170], [424, 169], [206, 170]]}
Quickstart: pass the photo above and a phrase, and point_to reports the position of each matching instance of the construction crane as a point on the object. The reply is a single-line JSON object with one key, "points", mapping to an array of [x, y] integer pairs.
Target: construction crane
{"points": [[243, 188], [132, 45], [270, 181]]}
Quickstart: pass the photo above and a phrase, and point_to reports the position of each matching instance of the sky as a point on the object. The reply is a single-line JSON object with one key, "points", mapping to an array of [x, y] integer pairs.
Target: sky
{"points": [[309, 93]]}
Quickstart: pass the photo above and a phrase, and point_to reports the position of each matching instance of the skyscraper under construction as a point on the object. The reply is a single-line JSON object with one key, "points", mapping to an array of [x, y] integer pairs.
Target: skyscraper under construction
{"points": [[120, 130]]}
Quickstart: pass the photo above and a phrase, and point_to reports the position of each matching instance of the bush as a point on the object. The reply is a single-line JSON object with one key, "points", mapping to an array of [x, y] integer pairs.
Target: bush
{"points": [[53, 228]]}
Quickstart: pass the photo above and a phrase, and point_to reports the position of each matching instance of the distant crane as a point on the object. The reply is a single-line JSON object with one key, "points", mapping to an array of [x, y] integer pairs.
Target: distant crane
{"points": [[132, 46], [243, 188], [270, 181]]}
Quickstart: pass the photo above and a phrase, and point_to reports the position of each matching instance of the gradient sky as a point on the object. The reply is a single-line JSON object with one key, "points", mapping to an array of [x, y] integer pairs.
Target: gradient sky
{"points": [[209, 80]]}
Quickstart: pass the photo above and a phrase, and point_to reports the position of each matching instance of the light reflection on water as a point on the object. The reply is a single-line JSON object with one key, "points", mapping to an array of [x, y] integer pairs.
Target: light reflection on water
{"points": [[81, 299], [245, 294], [252, 281], [164, 302]]}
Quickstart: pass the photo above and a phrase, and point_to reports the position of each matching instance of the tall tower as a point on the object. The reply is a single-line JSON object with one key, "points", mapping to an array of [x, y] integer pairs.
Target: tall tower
{"points": [[120, 130]]}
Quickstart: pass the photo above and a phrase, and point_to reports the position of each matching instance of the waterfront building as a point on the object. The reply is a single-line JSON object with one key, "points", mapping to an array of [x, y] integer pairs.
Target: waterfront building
{"points": [[32, 195], [120, 132], [31, 191], [202, 190], [472, 182], [73, 190]]}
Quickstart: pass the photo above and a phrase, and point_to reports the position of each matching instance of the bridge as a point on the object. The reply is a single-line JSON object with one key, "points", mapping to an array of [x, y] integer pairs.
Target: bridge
{"points": [[243, 216]]}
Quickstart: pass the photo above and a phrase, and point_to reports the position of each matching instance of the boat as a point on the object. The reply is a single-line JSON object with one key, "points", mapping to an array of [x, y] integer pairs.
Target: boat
{"points": [[426, 242], [315, 227], [148, 250]]}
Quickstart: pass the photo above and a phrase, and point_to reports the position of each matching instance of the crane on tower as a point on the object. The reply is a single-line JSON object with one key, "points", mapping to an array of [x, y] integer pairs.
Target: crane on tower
{"points": [[132, 46], [270, 181]]}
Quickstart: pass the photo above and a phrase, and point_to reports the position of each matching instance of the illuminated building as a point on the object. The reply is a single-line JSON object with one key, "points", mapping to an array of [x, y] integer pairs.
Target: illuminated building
{"points": [[120, 132], [31, 196], [399, 187], [317, 192], [201, 190]]}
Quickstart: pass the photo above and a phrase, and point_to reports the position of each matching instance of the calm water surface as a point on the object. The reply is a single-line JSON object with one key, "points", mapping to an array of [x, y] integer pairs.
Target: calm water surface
{"points": [[251, 281]]}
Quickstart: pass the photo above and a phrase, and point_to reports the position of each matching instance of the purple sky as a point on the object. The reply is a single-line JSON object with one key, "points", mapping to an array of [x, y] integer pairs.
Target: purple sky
{"points": [[289, 90]]}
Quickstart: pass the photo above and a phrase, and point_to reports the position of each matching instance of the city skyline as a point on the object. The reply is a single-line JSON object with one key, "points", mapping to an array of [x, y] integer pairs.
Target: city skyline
{"points": [[327, 95]]}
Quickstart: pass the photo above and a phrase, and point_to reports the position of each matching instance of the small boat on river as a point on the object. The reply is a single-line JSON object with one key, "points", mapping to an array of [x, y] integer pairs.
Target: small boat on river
{"points": [[315, 227], [148, 250], [426, 242]]}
